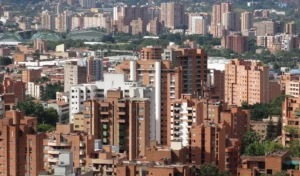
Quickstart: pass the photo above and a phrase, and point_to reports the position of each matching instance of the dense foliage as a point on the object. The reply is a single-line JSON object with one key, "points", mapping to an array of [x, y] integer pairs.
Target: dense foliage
{"points": [[45, 127], [50, 91], [5, 61], [42, 79], [249, 138], [209, 170], [261, 149], [44, 116], [261, 111]]}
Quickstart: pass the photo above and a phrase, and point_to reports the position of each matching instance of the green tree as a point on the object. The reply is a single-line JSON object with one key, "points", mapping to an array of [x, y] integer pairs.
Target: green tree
{"points": [[294, 148], [270, 130], [209, 170], [262, 149], [50, 91], [249, 138], [50, 116], [65, 118], [255, 149], [45, 127], [42, 79], [279, 128], [44, 116], [4, 61], [107, 38], [259, 111]]}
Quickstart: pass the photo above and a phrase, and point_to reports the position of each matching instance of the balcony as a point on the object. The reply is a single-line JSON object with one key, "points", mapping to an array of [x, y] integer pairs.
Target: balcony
{"points": [[81, 160], [121, 120], [104, 104], [122, 141], [102, 161], [96, 169], [105, 133], [121, 127], [52, 160], [106, 120], [65, 143], [105, 140], [81, 152], [52, 142], [54, 151], [121, 104], [104, 113], [57, 151], [121, 113]]}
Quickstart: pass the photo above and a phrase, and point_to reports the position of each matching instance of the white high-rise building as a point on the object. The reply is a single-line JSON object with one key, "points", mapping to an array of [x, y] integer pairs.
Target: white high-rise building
{"points": [[98, 90], [198, 25]]}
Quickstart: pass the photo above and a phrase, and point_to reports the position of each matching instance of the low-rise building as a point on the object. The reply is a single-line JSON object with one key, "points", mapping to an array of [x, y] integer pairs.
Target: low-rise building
{"points": [[272, 163]]}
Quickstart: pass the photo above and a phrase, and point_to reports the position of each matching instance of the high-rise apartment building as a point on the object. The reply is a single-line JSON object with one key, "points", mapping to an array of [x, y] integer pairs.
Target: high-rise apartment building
{"points": [[154, 12], [246, 81], [184, 74], [21, 147], [40, 45], [77, 22], [137, 27], [14, 92], [47, 21], [290, 119], [216, 82], [63, 22], [87, 3], [172, 14], [217, 18], [198, 25], [194, 69], [59, 8], [236, 42], [230, 21], [290, 84], [73, 74], [94, 69], [210, 145], [98, 91], [151, 53], [155, 27], [31, 75], [118, 121], [64, 138], [265, 28], [246, 21], [166, 80], [290, 28]]}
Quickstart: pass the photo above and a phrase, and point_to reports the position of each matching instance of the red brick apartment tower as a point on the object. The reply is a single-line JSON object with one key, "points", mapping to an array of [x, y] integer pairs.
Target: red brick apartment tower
{"points": [[21, 148]]}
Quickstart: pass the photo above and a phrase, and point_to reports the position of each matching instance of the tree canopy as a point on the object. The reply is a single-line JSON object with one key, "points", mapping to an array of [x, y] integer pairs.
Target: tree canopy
{"points": [[4, 61], [261, 111], [261, 149], [209, 170], [50, 91], [44, 116]]}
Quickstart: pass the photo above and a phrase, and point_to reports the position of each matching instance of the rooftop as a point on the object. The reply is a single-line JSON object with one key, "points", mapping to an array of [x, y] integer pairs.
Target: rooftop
{"points": [[46, 36], [278, 153]]}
